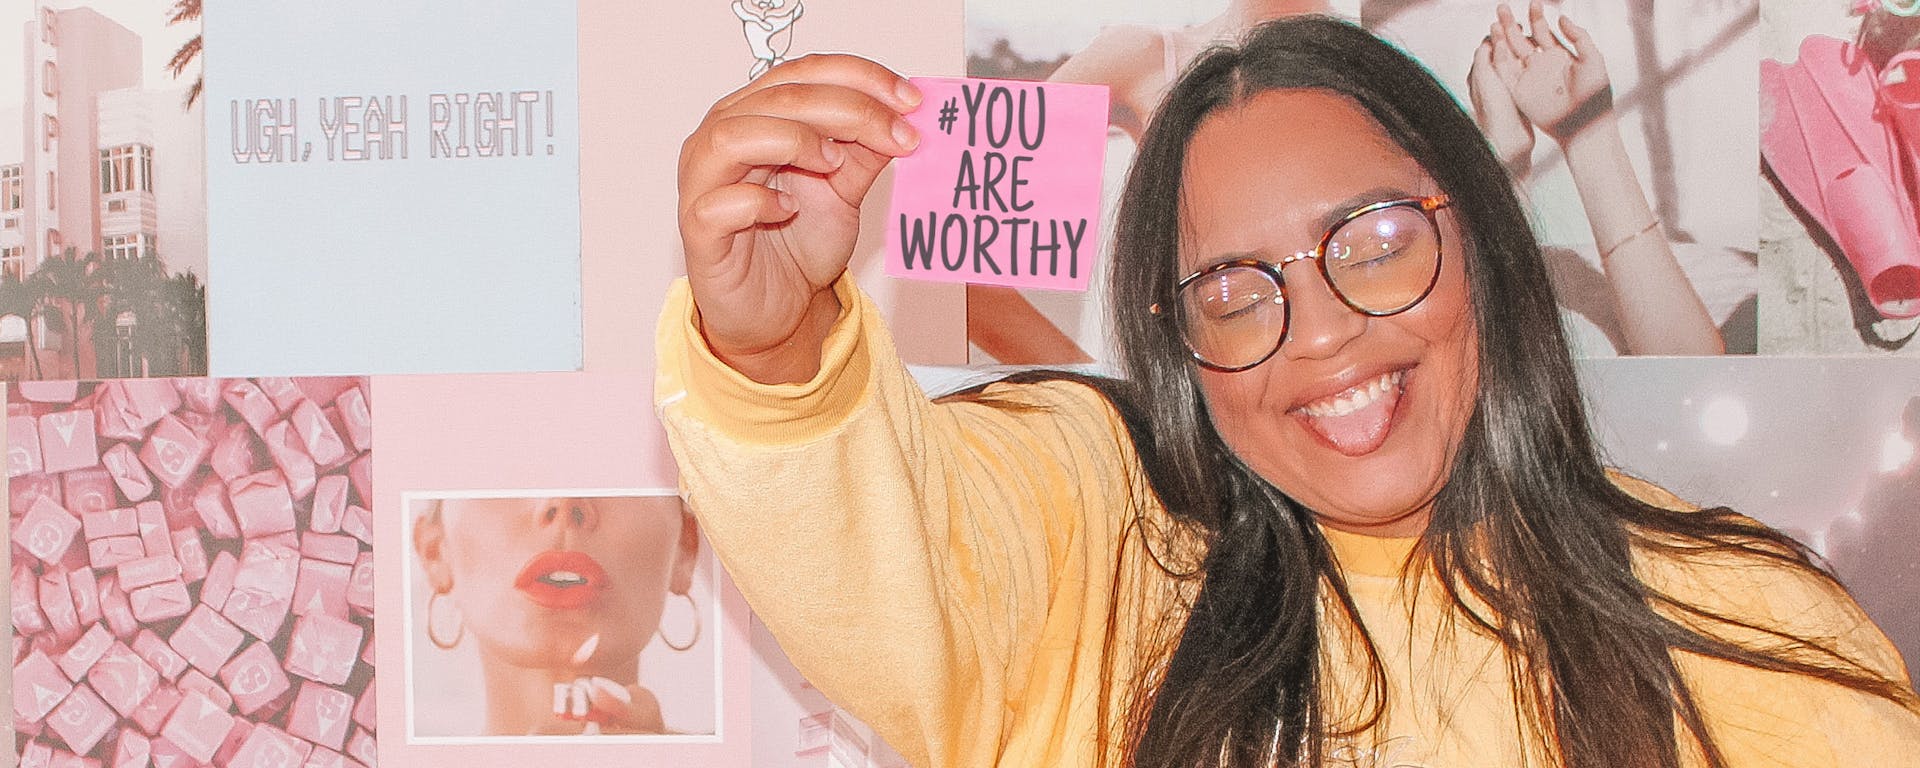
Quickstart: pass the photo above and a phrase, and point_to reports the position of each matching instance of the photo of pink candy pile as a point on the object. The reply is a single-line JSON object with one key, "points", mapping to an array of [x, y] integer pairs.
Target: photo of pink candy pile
{"points": [[192, 573]]}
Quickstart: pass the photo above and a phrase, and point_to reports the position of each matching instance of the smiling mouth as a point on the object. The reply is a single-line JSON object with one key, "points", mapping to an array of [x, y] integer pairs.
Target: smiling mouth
{"points": [[1357, 421], [562, 579]]}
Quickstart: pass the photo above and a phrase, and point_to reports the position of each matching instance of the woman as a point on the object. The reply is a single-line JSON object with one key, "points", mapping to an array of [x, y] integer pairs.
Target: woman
{"points": [[558, 596], [1356, 522]]}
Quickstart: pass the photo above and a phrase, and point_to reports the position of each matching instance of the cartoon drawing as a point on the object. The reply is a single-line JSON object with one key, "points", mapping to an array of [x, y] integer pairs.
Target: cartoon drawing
{"points": [[768, 25]]}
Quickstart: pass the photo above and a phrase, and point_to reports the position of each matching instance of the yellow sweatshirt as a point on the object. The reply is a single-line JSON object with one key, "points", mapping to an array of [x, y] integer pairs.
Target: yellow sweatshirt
{"points": [[975, 582]]}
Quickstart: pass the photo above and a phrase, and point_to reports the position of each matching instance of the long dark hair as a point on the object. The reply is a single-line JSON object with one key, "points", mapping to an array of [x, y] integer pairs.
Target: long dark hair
{"points": [[1531, 538]]}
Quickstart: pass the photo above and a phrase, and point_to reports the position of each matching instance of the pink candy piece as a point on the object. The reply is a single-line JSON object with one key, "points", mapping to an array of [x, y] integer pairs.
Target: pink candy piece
{"points": [[86, 595], [252, 404], [146, 571], [173, 452], [210, 501], [131, 749], [161, 656], [254, 678], [115, 609], [322, 588], [67, 441], [360, 472], [363, 710], [236, 452], [269, 747], [46, 531], [329, 504], [206, 640], [202, 394], [191, 551], [49, 391], [333, 549], [359, 523], [323, 648], [37, 755], [360, 585], [110, 522], [123, 679], [165, 600], [281, 391], [23, 446], [262, 589], [219, 582], [127, 472], [82, 720], [65, 759], [25, 610], [23, 491], [261, 504], [153, 529], [153, 713], [283, 444], [166, 755], [114, 418], [230, 746], [85, 651], [321, 757], [56, 602], [90, 490], [115, 551], [193, 681], [357, 417], [38, 687], [360, 746], [197, 726], [317, 436], [321, 715], [150, 398]]}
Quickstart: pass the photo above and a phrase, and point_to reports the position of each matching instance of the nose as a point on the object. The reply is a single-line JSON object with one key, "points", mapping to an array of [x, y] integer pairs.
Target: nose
{"points": [[1319, 324], [567, 515]]}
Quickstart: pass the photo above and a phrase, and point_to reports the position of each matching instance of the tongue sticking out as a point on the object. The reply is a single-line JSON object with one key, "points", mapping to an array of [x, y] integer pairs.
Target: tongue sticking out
{"points": [[1361, 431]]}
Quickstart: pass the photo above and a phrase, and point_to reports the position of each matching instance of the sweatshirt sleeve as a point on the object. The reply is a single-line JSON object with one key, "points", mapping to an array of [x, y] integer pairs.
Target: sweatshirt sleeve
{"points": [[910, 556]]}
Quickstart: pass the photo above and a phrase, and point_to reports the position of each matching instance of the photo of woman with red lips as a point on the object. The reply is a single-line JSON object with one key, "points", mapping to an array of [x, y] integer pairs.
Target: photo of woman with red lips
{"points": [[555, 598]]}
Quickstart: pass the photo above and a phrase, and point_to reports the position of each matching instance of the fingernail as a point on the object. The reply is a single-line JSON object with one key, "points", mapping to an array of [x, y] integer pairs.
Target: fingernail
{"points": [[905, 134], [833, 154], [908, 94], [787, 203]]}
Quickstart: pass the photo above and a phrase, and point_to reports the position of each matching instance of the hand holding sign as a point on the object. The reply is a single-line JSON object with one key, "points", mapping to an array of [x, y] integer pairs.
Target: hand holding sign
{"points": [[1006, 188], [770, 191]]}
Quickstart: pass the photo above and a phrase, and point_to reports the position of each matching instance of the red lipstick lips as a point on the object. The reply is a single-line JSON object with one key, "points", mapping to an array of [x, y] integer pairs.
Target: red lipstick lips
{"points": [[562, 580]]}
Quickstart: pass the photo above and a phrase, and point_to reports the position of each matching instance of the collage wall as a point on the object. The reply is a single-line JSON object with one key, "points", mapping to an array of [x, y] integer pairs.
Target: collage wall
{"points": [[328, 330]]}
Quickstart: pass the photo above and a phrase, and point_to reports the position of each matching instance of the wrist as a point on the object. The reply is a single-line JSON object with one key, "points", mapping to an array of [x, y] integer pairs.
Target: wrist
{"points": [[1596, 137], [793, 359]]}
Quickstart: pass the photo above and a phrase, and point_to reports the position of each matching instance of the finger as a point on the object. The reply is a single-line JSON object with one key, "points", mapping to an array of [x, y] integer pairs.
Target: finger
{"points": [[732, 147], [712, 219], [1537, 23], [1577, 35], [607, 701], [1502, 54], [854, 72], [837, 112], [1515, 36]]}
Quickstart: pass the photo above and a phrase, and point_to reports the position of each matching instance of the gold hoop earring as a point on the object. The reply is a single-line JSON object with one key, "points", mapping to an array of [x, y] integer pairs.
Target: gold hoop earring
{"points": [[696, 627], [433, 635]]}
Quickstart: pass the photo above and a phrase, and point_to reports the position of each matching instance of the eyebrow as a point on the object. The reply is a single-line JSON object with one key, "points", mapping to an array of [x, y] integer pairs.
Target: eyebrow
{"points": [[1332, 216]]}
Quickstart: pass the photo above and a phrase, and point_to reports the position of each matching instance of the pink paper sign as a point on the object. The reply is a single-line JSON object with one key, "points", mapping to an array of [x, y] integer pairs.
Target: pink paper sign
{"points": [[1005, 186]]}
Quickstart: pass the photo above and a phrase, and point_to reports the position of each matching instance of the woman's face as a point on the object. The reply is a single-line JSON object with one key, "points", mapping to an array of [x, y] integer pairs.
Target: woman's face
{"points": [[1266, 178], [535, 578]]}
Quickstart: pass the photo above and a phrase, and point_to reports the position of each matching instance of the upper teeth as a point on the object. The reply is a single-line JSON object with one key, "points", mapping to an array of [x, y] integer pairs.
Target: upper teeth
{"points": [[1354, 399], [565, 578]]}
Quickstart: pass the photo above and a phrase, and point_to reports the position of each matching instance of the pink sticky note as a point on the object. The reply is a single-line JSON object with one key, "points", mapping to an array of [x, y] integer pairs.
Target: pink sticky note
{"points": [[163, 657], [323, 648], [46, 531], [67, 441], [173, 452], [321, 715], [197, 726], [206, 640], [154, 535], [86, 595], [357, 418], [1004, 188], [322, 588], [23, 446], [114, 608], [262, 589], [261, 503], [85, 651], [254, 678], [165, 600], [123, 679], [110, 522], [360, 585], [329, 504], [219, 581], [127, 472], [89, 490], [38, 686], [317, 436], [269, 747], [153, 713], [283, 444], [82, 720], [131, 749], [210, 503]]}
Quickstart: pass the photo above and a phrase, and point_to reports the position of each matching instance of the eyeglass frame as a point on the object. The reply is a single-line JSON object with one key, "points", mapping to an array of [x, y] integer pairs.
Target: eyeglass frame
{"points": [[1428, 206]]}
